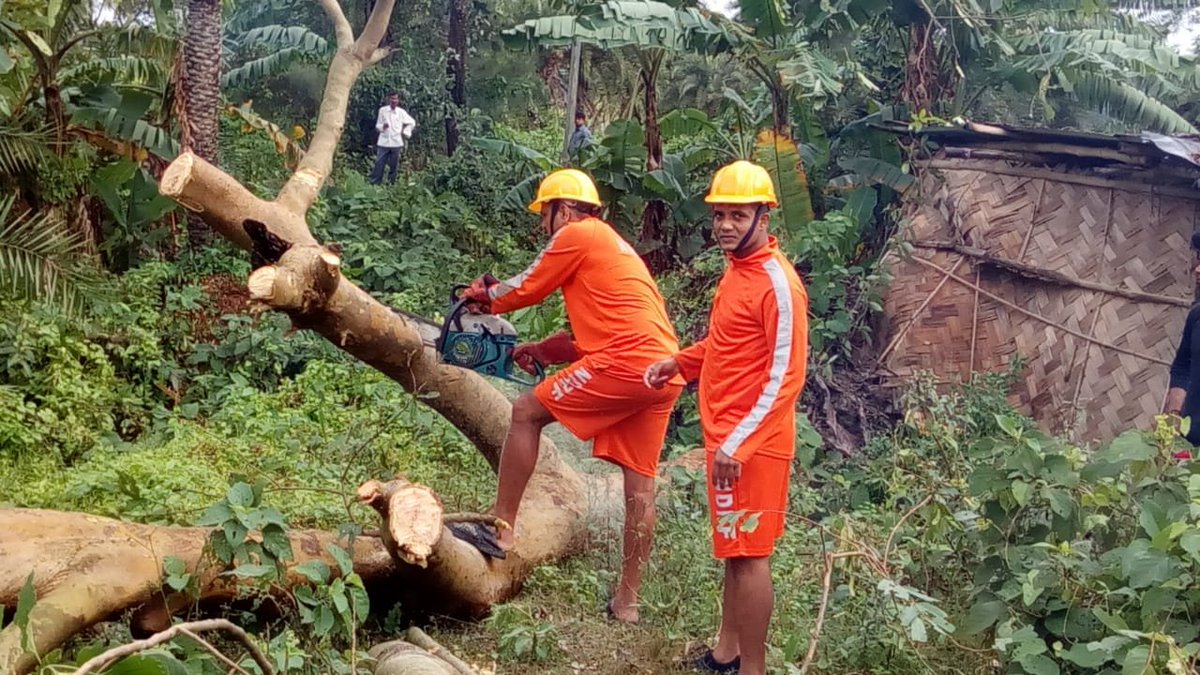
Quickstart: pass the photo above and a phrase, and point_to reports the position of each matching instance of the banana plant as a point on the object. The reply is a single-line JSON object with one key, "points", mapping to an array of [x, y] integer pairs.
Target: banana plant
{"points": [[268, 50], [649, 31], [48, 33], [617, 164], [1101, 56]]}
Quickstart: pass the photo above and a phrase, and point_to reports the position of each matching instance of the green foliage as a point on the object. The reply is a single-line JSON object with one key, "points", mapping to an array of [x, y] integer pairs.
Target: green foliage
{"points": [[233, 518], [41, 259], [843, 287], [523, 637], [21, 149], [1127, 103], [283, 46], [645, 24], [130, 194], [63, 391], [1076, 566], [334, 604], [411, 242], [1060, 559]]}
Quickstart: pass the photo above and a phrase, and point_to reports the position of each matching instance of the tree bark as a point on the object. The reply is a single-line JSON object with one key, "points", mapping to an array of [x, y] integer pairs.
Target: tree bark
{"points": [[654, 217], [456, 69], [87, 568], [780, 111], [202, 92]]}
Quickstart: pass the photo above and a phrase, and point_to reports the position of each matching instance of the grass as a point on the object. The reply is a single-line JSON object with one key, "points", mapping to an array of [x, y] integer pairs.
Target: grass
{"points": [[315, 438]]}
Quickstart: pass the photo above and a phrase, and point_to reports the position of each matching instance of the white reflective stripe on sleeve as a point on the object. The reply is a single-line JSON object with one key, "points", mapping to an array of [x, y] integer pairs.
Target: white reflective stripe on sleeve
{"points": [[780, 361], [509, 285]]}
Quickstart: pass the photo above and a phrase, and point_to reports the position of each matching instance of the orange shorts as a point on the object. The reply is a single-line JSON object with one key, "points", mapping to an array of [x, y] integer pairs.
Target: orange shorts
{"points": [[762, 489], [610, 404]]}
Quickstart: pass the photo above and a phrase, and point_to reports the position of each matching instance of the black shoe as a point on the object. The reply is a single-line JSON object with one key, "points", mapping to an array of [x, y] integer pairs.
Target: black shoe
{"points": [[707, 663]]}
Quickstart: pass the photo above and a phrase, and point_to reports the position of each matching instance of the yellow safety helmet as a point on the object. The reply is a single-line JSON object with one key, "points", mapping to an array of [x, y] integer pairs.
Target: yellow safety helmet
{"points": [[742, 182], [571, 184]]}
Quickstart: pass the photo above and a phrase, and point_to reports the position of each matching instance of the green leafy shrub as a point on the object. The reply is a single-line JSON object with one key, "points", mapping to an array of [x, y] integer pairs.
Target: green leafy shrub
{"points": [[842, 290], [1060, 558], [63, 385]]}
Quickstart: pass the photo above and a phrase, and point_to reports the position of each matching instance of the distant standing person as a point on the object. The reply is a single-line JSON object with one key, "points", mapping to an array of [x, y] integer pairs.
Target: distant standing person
{"points": [[581, 137], [1183, 396], [394, 125]]}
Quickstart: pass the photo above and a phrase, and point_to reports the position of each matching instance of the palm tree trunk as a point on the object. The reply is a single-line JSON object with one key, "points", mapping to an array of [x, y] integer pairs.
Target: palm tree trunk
{"points": [[456, 70], [202, 92]]}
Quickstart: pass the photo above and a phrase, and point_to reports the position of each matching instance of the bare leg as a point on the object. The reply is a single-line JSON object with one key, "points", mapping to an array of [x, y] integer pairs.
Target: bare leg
{"points": [[518, 460], [755, 602], [727, 643], [639, 537]]}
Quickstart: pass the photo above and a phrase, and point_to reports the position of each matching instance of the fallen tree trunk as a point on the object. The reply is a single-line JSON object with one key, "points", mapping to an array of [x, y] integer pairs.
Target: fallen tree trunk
{"points": [[86, 568]]}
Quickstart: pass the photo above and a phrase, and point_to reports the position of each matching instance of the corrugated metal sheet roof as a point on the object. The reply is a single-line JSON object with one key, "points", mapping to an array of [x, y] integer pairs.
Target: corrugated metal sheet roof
{"points": [[1145, 146]]}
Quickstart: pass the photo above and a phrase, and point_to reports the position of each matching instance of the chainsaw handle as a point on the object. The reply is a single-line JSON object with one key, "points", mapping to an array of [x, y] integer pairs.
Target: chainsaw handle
{"points": [[520, 376]]}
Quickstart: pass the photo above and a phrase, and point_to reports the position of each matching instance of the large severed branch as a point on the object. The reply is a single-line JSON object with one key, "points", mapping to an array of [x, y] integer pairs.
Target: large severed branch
{"points": [[226, 204]]}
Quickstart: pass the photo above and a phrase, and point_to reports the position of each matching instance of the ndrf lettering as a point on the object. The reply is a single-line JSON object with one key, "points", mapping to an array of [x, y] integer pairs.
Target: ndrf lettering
{"points": [[727, 517], [570, 382]]}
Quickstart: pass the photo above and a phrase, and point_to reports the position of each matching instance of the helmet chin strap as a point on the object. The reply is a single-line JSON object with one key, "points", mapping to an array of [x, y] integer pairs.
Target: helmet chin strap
{"points": [[758, 214], [553, 216]]}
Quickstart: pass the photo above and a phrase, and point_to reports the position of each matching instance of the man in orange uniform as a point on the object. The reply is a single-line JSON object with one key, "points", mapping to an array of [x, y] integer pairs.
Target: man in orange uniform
{"points": [[619, 327], [751, 368]]}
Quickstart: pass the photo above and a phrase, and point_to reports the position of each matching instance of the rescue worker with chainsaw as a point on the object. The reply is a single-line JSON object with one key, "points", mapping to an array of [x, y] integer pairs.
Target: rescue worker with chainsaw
{"points": [[619, 326], [751, 368]]}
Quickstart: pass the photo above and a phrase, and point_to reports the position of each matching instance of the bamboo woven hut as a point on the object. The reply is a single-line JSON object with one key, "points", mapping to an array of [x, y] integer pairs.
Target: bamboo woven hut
{"points": [[1069, 249]]}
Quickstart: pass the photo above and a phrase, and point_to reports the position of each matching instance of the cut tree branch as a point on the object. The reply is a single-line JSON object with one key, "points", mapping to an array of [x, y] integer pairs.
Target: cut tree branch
{"points": [[189, 629], [226, 204], [419, 638], [379, 55], [208, 647]]}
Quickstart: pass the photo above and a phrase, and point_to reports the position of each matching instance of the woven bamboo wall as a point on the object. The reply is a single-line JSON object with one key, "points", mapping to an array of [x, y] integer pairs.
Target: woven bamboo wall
{"points": [[1097, 360]]}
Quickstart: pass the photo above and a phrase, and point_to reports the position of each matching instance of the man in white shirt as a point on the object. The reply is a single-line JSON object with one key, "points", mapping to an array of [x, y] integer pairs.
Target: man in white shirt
{"points": [[394, 125]]}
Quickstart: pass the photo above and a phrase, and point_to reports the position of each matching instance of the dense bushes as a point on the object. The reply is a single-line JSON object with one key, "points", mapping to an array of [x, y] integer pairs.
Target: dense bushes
{"points": [[1057, 557]]}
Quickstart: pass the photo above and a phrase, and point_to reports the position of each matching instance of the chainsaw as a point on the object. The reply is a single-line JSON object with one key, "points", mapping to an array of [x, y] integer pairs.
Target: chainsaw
{"points": [[480, 342]]}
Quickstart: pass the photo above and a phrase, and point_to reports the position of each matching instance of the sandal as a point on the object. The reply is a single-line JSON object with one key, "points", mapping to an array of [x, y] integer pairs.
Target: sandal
{"points": [[707, 663], [479, 535]]}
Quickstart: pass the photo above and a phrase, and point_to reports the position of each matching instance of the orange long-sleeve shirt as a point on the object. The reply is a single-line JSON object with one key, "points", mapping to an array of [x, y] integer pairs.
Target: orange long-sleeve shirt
{"points": [[752, 363], [614, 307]]}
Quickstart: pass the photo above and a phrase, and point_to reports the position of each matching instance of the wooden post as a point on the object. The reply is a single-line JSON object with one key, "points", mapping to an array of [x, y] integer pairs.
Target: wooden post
{"points": [[572, 99]]}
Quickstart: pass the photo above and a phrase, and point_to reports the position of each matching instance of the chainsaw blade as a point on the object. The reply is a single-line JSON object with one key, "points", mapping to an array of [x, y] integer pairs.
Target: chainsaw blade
{"points": [[429, 330]]}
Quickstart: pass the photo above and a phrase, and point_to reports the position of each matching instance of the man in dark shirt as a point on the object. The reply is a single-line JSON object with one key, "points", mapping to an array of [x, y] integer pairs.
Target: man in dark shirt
{"points": [[580, 138], [1183, 397]]}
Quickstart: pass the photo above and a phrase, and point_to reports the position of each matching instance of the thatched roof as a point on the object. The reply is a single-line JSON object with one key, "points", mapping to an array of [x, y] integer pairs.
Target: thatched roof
{"points": [[1069, 249]]}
